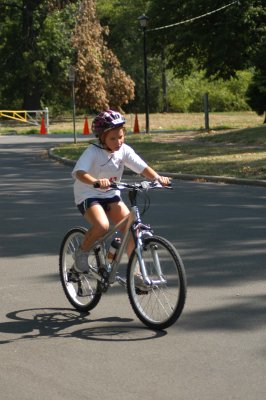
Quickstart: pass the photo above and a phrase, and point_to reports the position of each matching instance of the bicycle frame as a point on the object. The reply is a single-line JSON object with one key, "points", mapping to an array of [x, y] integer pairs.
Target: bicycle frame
{"points": [[133, 225], [129, 219]]}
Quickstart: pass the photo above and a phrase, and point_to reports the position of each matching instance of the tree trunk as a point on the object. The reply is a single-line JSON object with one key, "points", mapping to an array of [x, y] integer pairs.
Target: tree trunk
{"points": [[31, 90], [31, 98], [164, 83]]}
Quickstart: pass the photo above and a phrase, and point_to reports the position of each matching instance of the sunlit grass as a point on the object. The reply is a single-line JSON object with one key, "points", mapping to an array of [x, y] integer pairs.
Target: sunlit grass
{"points": [[158, 122], [239, 153]]}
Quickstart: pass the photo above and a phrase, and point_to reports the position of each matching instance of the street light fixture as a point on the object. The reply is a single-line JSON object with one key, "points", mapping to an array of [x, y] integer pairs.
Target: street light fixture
{"points": [[71, 77], [143, 20]]}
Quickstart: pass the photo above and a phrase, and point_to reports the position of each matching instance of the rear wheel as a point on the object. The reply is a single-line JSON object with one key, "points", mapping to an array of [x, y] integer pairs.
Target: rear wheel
{"points": [[81, 290], [160, 303]]}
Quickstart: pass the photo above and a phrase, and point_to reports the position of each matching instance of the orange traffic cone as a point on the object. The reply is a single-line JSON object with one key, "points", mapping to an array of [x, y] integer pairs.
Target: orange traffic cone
{"points": [[43, 127], [86, 130], [136, 125]]}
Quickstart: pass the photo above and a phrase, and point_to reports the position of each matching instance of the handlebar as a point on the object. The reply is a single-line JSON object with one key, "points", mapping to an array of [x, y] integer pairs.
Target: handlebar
{"points": [[144, 185]]}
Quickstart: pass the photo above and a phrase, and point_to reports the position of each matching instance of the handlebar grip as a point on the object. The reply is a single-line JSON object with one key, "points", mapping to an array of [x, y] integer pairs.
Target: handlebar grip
{"points": [[97, 185]]}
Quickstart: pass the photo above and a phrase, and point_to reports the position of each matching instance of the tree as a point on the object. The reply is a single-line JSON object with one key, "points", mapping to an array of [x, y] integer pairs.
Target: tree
{"points": [[34, 52], [256, 93], [101, 82], [125, 39], [221, 43]]}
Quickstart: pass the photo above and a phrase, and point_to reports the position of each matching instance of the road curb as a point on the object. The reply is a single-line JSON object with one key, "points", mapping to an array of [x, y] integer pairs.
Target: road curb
{"points": [[177, 175], [63, 160]]}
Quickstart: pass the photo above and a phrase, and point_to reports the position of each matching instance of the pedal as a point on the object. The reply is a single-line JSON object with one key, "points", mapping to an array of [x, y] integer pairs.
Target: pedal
{"points": [[72, 276], [121, 281], [141, 292], [84, 287]]}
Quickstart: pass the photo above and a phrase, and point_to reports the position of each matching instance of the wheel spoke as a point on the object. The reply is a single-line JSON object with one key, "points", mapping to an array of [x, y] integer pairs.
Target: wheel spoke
{"points": [[83, 291], [161, 305]]}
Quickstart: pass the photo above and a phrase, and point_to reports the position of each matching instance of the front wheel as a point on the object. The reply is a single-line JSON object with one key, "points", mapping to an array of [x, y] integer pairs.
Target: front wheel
{"points": [[159, 303], [82, 290]]}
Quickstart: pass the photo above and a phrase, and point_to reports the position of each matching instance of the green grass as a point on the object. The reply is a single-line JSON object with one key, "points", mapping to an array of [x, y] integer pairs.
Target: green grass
{"points": [[250, 136], [240, 153], [158, 122], [236, 145]]}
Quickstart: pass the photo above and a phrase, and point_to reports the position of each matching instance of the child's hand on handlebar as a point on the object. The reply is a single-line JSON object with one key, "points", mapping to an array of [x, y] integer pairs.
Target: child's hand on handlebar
{"points": [[102, 183], [164, 180]]}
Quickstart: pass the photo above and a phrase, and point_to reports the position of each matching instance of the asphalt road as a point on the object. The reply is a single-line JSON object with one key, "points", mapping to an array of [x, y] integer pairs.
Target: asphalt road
{"points": [[216, 350]]}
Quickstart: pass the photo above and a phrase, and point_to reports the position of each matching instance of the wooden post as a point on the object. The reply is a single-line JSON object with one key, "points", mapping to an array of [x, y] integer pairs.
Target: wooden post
{"points": [[206, 111]]}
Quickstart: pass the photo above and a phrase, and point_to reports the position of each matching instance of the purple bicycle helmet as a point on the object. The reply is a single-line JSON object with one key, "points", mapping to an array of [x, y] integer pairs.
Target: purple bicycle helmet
{"points": [[105, 121]]}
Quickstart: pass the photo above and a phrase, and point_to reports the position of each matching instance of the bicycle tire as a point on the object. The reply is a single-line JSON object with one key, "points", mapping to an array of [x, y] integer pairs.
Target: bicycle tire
{"points": [[160, 305], [70, 242]]}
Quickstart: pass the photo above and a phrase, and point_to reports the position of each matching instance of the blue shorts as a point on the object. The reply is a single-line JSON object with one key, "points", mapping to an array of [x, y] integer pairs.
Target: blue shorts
{"points": [[105, 203]]}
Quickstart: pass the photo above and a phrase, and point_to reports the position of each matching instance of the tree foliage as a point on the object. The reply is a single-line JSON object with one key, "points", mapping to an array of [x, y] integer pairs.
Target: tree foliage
{"points": [[256, 93], [41, 38], [101, 82], [221, 43], [34, 52], [125, 39]]}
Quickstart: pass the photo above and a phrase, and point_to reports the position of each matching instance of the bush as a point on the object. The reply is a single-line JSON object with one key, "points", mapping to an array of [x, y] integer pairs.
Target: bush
{"points": [[187, 95]]}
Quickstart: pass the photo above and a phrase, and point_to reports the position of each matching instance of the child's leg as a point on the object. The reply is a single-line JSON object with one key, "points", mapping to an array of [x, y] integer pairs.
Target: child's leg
{"points": [[98, 220], [116, 212]]}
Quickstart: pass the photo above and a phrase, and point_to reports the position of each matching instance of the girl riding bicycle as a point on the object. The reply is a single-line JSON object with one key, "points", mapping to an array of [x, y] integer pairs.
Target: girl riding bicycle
{"points": [[103, 163]]}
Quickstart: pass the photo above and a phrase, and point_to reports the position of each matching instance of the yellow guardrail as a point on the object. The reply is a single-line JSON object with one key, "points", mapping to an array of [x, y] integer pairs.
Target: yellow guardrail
{"points": [[32, 117], [21, 116]]}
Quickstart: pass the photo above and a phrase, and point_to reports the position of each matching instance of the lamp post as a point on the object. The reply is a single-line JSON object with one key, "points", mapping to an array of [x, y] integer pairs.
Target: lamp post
{"points": [[143, 20], [71, 77]]}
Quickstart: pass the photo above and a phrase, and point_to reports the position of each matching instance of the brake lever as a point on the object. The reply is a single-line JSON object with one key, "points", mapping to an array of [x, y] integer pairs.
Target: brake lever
{"points": [[157, 184], [145, 185], [168, 187]]}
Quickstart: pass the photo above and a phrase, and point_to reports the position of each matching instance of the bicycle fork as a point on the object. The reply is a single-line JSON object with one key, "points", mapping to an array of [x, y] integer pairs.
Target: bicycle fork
{"points": [[156, 262]]}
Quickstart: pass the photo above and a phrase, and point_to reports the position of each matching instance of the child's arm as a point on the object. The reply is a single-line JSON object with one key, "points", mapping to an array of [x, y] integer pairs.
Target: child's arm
{"points": [[90, 180], [150, 174]]}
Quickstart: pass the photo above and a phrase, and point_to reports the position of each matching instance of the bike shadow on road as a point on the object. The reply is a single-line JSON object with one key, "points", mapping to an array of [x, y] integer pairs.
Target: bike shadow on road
{"points": [[45, 323]]}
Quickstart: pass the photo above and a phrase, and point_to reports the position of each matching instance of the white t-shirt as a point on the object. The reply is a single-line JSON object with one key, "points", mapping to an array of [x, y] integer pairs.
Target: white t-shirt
{"points": [[100, 163]]}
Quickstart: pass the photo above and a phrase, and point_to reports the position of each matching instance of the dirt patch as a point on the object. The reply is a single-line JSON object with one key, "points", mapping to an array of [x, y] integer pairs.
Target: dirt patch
{"points": [[176, 137], [185, 137]]}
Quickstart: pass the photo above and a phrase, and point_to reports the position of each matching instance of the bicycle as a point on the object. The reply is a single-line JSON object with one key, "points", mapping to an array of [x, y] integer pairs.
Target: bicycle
{"points": [[159, 301]]}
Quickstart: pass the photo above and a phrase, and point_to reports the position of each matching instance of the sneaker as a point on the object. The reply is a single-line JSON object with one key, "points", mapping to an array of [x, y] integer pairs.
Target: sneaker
{"points": [[81, 260], [139, 283]]}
